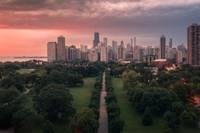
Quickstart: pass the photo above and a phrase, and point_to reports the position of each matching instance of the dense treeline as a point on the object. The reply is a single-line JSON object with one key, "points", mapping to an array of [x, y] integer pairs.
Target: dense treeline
{"points": [[95, 98], [156, 99], [114, 121], [23, 76], [37, 95]]}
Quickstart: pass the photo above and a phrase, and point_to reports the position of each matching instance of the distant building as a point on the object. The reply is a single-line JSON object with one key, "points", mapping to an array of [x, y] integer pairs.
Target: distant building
{"points": [[115, 50], [67, 53], [170, 43], [121, 51], [84, 52], [150, 54], [194, 45], [105, 41], [74, 53], [96, 40], [141, 54], [181, 56], [110, 53], [52, 51], [129, 52], [93, 55], [171, 54], [162, 46], [136, 54], [103, 53], [61, 49]]}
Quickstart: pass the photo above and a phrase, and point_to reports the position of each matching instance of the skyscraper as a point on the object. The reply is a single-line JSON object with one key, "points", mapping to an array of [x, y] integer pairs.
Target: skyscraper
{"points": [[52, 51], [61, 48], [103, 53], [162, 46], [181, 54], [121, 51], [105, 41], [194, 45], [170, 43], [96, 40], [115, 50]]}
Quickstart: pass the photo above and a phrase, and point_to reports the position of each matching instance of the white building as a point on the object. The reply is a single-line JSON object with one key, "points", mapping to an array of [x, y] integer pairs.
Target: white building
{"points": [[61, 51], [121, 51], [93, 55], [51, 51], [103, 53]]}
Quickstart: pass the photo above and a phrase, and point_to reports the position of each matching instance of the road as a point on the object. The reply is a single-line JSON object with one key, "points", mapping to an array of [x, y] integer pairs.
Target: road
{"points": [[103, 119]]}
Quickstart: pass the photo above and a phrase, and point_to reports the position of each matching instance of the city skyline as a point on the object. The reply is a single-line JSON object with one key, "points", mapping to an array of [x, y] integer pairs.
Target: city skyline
{"points": [[26, 28]]}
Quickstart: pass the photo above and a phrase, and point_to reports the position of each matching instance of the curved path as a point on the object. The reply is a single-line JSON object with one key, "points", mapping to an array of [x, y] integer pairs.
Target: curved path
{"points": [[103, 119]]}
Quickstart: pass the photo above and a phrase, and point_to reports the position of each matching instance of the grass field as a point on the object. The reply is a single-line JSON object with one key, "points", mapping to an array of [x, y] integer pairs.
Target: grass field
{"points": [[25, 71], [133, 120], [82, 94]]}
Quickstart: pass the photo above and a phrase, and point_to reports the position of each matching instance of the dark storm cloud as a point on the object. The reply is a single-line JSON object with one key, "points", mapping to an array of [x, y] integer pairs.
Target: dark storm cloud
{"points": [[53, 4], [116, 16]]}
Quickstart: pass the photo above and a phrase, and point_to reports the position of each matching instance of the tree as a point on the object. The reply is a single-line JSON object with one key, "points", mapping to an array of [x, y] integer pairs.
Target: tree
{"points": [[172, 120], [182, 91], [116, 125], [189, 119], [14, 80], [55, 103], [12, 109], [85, 122], [129, 79], [147, 118], [48, 127]]}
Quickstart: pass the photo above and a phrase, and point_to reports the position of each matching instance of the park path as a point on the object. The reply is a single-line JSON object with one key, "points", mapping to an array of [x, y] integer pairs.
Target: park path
{"points": [[103, 119]]}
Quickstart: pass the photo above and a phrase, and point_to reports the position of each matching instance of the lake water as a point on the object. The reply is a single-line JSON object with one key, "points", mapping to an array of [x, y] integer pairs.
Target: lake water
{"points": [[21, 59]]}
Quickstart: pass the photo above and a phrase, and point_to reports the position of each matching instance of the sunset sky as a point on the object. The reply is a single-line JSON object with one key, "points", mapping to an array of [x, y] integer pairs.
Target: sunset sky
{"points": [[27, 25]]}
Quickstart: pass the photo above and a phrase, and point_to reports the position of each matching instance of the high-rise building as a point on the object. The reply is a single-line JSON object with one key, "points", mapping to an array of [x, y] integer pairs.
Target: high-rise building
{"points": [[121, 51], [84, 52], [67, 53], [103, 53], [105, 41], [61, 52], [51, 51], [181, 56], [74, 53], [162, 46], [93, 55], [110, 53], [170, 43], [84, 48], [115, 50], [194, 45], [96, 40]]}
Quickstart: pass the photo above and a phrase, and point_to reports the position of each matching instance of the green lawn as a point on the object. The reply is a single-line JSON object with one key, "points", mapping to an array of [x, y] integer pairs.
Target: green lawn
{"points": [[82, 94], [25, 71], [133, 120]]}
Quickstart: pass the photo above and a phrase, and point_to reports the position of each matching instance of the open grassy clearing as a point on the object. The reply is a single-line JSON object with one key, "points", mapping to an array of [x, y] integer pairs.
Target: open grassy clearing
{"points": [[82, 94], [25, 71]]}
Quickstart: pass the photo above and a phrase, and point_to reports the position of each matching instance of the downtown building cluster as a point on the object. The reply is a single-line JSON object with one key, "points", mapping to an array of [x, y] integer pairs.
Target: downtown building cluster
{"points": [[104, 51]]}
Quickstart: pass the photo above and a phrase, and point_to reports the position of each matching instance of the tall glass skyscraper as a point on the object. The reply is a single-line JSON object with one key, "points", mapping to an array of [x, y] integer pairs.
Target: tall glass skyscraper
{"points": [[96, 40]]}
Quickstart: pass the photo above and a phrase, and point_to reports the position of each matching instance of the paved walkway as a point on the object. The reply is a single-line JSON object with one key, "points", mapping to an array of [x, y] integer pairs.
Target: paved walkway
{"points": [[103, 119]]}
